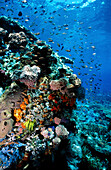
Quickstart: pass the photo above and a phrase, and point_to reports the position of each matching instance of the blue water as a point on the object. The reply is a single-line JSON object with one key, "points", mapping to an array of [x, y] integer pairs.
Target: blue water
{"points": [[76, 26]]}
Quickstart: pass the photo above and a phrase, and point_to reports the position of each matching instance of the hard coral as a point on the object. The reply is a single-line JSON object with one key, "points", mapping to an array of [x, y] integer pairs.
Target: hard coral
{"points": [[66, 85], [18, 114], [58, 84], [61, 131], [74, 80], [17, 39], [29, 75], [70, 90], [39, 113], [57, 120], [54, 85], [56, 141], [2, 34], [47, 133]]}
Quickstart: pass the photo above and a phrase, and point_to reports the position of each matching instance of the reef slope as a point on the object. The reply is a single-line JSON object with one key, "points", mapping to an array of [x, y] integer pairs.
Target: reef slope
{"points": [[41, 124]]}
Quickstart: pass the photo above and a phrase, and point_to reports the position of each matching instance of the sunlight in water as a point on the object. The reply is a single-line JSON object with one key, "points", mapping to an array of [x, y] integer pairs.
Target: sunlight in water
{"points": [[87, 3]]}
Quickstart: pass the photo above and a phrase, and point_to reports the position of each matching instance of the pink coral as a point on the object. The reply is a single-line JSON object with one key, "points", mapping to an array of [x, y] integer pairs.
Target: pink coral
{"points": [[58, 84], [57, 120], [47, 133], [54, 85], [61, 131], [66, 85]]}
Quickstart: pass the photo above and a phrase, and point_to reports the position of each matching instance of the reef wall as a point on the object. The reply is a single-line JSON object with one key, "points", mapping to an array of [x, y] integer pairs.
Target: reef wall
{"points": [[38, 122], [40, 92]]}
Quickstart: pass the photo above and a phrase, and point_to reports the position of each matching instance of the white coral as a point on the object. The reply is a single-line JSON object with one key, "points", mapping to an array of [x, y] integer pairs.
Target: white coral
{"points": [[61, 131], [30, 72]]}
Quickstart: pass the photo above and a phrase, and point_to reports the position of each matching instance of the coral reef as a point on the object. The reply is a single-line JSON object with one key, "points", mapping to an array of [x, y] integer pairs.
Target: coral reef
{"points": [[94, 135], [64, 85], [38, 104], [39, 97], [6, 123]]}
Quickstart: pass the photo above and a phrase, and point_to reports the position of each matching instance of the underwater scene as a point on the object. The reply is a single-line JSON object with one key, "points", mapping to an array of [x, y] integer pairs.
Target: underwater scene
{"points": [[55, 84]]}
